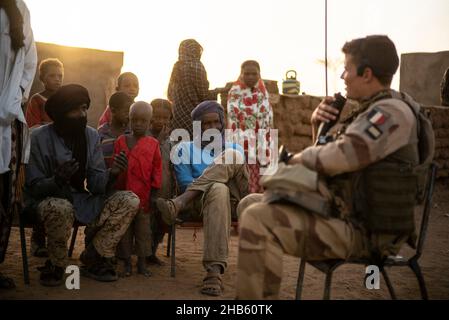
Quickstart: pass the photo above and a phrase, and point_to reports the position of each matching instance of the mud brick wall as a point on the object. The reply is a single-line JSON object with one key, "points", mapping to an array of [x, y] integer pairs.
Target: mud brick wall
{"points": [[292, 119], [97, 70]]}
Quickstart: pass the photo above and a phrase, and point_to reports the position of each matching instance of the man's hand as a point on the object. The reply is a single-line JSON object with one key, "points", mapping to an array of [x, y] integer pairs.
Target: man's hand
{"points": [[324, 112], [120, 164], [65, 171]]}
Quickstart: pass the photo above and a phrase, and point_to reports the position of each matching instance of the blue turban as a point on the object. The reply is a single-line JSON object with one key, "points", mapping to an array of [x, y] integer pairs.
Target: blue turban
{"points": [[208, 106], [205, 107]]}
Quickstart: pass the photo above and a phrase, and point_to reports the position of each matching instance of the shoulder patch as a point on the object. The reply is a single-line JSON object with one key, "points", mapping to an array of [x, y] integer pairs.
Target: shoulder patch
{"points": [[373, 131], [377, 117]]}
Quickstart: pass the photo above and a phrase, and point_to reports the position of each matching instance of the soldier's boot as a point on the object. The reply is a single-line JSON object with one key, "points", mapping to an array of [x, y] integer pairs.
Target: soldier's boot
{"points": [[51, 275]]}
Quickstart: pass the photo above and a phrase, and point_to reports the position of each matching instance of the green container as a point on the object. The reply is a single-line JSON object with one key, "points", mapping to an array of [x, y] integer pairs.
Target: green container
{"points": [[291, 85]]}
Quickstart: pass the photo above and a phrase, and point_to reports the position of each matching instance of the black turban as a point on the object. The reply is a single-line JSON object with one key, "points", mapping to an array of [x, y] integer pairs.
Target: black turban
{"points": [[65, 99]]}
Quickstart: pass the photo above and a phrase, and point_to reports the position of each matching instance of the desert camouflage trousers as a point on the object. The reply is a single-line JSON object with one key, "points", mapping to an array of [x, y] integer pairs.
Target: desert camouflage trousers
{"points": [[223, 185], [267, 231], [58, 215]]}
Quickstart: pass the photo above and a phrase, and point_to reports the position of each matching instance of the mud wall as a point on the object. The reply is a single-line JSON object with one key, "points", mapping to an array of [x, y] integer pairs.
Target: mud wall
{"points": [[97, 70]]}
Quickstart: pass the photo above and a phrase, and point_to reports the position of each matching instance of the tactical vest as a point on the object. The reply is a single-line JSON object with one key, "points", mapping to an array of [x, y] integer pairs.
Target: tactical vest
{"points": [[383, 196]]}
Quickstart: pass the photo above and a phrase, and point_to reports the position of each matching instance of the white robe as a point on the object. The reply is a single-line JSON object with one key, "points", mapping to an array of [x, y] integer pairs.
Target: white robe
{"points": [[16, 74]]}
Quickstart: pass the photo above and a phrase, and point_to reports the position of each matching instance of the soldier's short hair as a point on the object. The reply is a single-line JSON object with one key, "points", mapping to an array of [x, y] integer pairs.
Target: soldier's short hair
{"points": [[376, 52], [45, 65]]}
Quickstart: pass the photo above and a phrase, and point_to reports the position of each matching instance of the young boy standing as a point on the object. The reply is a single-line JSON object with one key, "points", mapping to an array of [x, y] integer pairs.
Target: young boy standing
{"points": [[128, 83], [143, 177], [162, 115], [119, 103], [51, 74]]}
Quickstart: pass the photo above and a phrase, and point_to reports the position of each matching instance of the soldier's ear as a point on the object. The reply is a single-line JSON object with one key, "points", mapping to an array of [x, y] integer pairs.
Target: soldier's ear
{"points": [[367, 74]]}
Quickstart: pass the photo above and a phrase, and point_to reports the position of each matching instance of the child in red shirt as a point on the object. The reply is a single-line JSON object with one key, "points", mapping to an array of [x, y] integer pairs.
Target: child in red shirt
{"points": [[143, 177], [51, 74]]}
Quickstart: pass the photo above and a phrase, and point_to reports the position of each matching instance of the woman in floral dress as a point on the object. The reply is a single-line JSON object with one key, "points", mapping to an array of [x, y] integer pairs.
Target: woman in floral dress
{"points": [[249, 110]]}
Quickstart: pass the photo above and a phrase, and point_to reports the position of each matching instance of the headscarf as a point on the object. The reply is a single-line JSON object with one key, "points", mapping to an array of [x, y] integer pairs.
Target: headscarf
{"points": [[72, 131], [15, 23], [188, 84], [205, 107], [189, 55], [190, 50]]}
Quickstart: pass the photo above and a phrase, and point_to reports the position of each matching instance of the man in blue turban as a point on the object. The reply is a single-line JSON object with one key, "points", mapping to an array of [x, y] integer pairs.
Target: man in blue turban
{"points": [[211, 188]]}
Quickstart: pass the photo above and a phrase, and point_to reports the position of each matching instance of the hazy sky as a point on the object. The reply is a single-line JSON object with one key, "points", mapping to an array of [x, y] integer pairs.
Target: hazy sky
{"points": [[280, 34]]}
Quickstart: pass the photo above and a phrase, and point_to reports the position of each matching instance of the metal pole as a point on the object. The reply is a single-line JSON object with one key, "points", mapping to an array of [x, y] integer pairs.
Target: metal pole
{"points": [[325, 43]]}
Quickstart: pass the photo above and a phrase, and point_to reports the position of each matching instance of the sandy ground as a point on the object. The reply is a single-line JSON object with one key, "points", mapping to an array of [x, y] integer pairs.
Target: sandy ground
{"points": [[348, 281]]}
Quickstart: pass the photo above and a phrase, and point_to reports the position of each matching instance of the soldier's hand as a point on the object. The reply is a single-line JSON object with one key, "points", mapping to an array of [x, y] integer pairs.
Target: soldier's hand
{"points": [[65, 171], [120, 164], [324, 112]]}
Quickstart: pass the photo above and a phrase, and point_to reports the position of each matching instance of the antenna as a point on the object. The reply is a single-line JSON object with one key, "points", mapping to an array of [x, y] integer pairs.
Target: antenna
{"points": [[325, 43]]}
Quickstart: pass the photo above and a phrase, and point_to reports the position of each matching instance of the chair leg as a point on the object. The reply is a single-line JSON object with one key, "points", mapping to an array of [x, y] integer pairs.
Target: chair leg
{"points": [[173, 250], [168, 244], [422, 285], [389, 285], [72, 241], [327, 285], [302, 270], [23, 243]]}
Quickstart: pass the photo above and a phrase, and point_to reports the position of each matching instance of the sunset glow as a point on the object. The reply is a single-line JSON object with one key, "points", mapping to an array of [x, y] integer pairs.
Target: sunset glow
{"points": [[281, 35]]}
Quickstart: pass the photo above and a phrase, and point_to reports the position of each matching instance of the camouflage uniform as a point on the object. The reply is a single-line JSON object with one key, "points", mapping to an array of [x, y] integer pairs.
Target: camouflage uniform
{"points": [[377, 129], [58, 215], [223, 185]]}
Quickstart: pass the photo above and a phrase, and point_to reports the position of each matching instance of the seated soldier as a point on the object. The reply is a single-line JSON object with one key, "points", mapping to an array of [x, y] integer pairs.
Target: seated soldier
{"points": [[211, 190], [378, 138], [66, 178]]}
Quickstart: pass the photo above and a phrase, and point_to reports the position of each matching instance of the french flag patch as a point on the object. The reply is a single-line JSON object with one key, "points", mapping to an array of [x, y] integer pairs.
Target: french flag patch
{"points": [[376, 117]]}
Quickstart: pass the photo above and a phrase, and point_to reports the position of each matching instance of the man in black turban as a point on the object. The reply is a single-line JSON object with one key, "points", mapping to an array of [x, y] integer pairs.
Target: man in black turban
{"points": [[67, 179]]}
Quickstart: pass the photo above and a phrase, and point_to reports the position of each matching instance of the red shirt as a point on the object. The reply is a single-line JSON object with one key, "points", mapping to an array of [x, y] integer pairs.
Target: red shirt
{"points": [[106, 117], [35, 114], [144, 168]]}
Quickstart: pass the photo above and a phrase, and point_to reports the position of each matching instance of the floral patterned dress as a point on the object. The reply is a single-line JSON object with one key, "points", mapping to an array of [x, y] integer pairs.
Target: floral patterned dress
{"points": [[250, 111]]}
